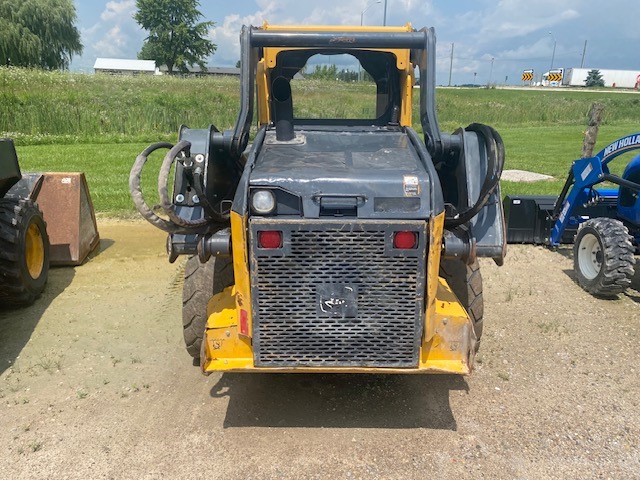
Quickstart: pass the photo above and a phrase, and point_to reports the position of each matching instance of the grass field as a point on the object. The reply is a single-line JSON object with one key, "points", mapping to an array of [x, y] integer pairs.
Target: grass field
{"points": [[98, 124]]}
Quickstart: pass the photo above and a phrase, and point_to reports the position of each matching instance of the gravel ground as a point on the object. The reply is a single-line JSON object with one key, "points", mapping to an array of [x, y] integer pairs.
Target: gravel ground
{"points": [[95, 383], [524, 176]]}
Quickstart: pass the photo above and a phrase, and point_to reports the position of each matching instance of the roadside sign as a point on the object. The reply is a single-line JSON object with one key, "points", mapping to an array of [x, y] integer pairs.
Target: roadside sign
{"points": [[555, 76], [527, 75]]}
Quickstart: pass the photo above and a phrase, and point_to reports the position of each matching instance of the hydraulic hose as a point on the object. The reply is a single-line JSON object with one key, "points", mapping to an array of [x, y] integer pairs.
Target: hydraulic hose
{"points": [[136, 191], [198, 185], [163, 189], [495, 165]]}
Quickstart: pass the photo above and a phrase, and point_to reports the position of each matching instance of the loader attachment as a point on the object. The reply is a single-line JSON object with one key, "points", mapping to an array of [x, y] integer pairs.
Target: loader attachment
{"points": [[530, 217], [67, 209]]}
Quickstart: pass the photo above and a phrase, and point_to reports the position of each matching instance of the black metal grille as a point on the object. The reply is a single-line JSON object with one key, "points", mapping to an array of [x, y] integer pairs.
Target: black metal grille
{"points": [[380, 325]]}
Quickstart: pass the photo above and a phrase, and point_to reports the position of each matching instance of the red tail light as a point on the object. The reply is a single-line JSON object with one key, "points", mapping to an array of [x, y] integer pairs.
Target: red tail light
{"points": [[270, 239], [244, 322], [405, 240]]}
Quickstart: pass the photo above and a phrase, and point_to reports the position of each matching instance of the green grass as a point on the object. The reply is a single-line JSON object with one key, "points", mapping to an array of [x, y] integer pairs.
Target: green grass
{"points": [[39, 107], [98, 124], [106, 166], [55, 107]]}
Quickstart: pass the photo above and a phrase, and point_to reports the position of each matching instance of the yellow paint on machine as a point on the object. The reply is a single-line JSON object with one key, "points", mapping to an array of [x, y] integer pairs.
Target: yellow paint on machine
{"points": [[262, 80], [449, 350], [241, 266], [270, 57], [448, 344]]}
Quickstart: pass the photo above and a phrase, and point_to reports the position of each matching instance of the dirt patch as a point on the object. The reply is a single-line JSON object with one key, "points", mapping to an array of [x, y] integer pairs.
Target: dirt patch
{"points": [[95, 383], [524, 176]]}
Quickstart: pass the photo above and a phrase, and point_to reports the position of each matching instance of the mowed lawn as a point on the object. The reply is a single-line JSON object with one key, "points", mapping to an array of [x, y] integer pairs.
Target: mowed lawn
{"points": [[106, 167]]}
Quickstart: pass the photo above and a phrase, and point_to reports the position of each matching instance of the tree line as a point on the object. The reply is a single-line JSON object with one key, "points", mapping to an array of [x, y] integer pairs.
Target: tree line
{"points": [[38, 33], [43, 33]]}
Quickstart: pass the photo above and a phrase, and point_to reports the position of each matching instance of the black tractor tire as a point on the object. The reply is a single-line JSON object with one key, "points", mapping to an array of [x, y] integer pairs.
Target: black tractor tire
{"points": [[201, 282], [603, 257], [24, 252], [466, 282]]}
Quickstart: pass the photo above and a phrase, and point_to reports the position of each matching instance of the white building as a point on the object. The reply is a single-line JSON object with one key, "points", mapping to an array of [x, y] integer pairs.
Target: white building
{"points": [[123, 66]]}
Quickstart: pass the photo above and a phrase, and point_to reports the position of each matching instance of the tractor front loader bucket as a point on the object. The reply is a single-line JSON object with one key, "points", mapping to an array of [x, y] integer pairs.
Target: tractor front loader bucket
{"points": [[67, 210], [530, 218]]}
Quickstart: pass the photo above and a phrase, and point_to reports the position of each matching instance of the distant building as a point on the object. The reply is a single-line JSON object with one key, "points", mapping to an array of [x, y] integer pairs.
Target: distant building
{"points": [[196, 70], [122, 66]]}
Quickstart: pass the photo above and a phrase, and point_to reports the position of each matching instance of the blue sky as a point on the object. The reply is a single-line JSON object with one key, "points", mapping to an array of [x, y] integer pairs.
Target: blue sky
{"points": [[515, 33]]}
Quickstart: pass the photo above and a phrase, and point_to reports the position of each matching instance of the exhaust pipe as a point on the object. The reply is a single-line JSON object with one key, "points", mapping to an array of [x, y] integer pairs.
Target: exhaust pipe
{"points": [[283, 106]]}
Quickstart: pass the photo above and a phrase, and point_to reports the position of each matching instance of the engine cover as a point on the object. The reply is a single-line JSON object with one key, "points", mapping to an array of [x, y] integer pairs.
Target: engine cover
{"points": [[365, 174]]}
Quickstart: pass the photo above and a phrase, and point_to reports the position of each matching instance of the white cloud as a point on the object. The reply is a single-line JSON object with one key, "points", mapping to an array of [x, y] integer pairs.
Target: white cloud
{"points": [[112, 43], [116, 34], [514, 32], [115, 10]]}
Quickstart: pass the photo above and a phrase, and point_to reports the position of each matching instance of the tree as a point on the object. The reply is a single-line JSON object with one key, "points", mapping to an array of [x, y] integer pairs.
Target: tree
{"points": [[176, 38], [324, 72], [594, 79], [38, 33]]}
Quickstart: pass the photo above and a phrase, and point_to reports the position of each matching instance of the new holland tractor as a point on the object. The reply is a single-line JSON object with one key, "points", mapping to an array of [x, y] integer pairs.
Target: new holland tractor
{"points": [[603, 223], [332, 244], [24, 243]]}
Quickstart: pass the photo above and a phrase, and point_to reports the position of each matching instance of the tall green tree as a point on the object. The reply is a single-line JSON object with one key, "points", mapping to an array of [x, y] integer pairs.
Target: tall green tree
{"points": [[38, 33], [594, 79], [176, 38]]}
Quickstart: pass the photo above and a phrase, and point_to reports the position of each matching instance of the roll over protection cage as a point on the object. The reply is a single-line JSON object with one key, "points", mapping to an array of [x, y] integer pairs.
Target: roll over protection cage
{"points": [[464, 157], [422, 44]]}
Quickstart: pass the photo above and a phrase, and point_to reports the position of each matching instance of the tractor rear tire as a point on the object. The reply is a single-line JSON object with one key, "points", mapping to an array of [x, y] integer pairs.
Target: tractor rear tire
{"points": [[24, 252], [201, 282], [603, 257], [466, 282]]}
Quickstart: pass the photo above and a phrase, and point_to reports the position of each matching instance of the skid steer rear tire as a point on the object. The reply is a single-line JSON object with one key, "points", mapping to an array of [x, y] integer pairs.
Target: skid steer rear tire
{"points": [[603, 257], [466, 282], [24, 252], [201, 282]]}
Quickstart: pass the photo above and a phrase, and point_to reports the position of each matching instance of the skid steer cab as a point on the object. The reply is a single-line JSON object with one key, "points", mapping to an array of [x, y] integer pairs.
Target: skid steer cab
{"points": [[332, 244]]}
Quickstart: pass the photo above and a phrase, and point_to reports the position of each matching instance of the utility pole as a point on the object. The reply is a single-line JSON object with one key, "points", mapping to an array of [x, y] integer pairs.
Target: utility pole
{"points": [[584, 51], [490, 72], [474, 78], [371, 4], [553, 55], [451, 64], [384, 21]]}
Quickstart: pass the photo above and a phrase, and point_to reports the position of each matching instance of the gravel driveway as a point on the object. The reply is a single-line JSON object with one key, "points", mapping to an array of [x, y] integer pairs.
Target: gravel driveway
{"points": [[95, 383]]}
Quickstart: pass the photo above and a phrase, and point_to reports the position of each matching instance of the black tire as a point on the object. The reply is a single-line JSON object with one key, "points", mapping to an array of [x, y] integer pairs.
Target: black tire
{"points": [[466, 282], [24, 252], [603, 257], [201, 282]]}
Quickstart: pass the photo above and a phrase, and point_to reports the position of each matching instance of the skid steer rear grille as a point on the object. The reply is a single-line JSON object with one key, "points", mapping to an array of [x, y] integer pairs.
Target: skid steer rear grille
{"points": [[337, 294]]}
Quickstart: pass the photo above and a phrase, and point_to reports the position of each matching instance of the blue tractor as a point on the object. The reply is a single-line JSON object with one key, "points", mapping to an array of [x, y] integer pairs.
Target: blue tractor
{"points": [[602, 223]]}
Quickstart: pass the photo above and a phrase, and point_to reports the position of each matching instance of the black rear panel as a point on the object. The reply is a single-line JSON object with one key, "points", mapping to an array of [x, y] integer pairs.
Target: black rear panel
{"points": [[9, 169], [337, 294]]}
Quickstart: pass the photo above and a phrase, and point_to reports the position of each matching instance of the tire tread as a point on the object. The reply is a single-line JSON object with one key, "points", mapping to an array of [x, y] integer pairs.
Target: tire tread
{"points": [[466, 282], [618, 257], [201, 282]]}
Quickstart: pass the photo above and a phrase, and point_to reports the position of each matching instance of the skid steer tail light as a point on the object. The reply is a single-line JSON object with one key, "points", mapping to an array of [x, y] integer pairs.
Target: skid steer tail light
{"points": [[405, 240], [244, 322], [270, 239]]}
